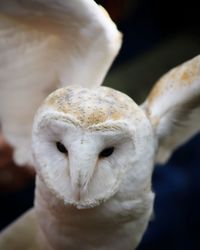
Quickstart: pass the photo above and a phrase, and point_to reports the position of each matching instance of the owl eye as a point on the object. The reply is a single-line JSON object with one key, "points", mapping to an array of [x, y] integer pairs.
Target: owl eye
{"points": [[107, 152], [61, 147]]}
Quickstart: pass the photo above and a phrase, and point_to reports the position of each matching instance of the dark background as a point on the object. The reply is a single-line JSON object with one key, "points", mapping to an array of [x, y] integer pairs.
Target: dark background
{"points": [[158, 35]]}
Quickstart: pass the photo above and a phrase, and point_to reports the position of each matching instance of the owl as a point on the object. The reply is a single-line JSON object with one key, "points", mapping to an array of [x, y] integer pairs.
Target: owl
{"points": [[94, 150]]}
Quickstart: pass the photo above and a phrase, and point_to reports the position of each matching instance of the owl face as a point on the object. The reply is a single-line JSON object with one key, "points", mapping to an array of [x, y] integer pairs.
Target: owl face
{"points": [[85, 143]]}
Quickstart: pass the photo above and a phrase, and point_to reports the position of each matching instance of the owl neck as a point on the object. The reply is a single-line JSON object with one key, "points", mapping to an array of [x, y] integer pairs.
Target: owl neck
{"points": [[65, 227]]}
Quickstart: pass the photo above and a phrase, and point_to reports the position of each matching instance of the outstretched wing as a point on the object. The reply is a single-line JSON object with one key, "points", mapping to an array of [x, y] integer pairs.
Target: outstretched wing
{"points": [[173, 107], [45, 44]]}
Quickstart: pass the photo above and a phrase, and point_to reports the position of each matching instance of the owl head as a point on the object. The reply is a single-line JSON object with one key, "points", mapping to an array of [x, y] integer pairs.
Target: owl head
{"points": [[88, 143]]}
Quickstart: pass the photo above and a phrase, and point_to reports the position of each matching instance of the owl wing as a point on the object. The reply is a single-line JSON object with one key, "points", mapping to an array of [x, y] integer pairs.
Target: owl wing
{"points": [[45, 44], [173, 107]]}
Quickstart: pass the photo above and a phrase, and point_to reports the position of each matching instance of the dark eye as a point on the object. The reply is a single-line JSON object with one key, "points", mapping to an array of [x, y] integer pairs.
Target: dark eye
{"points": [[61, 147], [106, 152]]}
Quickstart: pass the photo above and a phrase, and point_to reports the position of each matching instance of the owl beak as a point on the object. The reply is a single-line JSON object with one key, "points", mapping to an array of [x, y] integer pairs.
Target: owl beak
{"points": [[81, 172]]}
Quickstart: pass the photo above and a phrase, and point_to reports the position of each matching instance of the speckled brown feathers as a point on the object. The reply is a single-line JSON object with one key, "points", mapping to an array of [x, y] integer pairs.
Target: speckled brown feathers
{"points": [[102, 104], [173, 106], [181, 76]]}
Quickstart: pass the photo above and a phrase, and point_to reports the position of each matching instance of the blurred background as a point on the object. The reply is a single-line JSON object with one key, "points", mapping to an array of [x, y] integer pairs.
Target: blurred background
{"points": [[157, 35]]}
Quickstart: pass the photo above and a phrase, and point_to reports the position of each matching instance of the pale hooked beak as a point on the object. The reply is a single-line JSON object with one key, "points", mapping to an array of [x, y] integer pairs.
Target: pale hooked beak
{"points": [[81, 172]]}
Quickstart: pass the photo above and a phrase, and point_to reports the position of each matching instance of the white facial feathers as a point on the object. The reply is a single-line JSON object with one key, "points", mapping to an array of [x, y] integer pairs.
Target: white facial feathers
{"points": [[101, 130]]}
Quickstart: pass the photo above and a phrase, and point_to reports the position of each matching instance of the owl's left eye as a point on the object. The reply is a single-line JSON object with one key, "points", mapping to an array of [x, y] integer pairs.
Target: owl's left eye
{"points": [[61, 147], [107, 152]]}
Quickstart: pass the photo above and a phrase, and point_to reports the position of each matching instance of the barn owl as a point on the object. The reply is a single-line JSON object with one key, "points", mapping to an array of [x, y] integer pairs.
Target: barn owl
{"points": [[93, 148], [44, 45], [94, 152]]}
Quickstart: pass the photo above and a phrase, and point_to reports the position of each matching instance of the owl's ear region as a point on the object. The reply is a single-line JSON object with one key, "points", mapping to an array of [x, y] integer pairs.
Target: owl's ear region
{"points": [[173, 107]]}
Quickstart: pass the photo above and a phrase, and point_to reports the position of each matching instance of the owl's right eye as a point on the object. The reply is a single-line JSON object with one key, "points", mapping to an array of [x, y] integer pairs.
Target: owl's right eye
{"points": [[61, 148]]}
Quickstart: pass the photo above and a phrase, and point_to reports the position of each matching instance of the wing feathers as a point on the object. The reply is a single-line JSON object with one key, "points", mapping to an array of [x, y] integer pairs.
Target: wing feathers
{"points": [[173, 107], [45, 44]]}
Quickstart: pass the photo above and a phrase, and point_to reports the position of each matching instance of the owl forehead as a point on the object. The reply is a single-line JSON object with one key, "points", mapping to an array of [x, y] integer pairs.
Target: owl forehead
{"points": [[92, 106]]}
